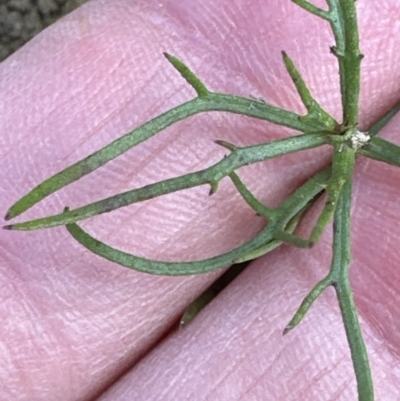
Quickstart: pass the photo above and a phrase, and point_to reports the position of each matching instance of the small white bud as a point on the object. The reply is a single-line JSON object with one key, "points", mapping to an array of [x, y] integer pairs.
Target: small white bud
{"points": [[359, 139]]}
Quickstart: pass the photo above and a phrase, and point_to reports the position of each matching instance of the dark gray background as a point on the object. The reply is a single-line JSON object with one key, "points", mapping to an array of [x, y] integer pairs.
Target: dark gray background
{"points": [[20, 20]]}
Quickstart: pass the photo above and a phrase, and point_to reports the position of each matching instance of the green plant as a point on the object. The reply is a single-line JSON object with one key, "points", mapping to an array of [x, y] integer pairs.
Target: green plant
{"points": [[318, 128]]}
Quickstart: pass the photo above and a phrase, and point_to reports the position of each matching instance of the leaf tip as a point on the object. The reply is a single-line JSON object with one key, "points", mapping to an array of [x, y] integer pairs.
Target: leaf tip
{"points": [[188, 75], [213, 188], [226, 145], [8, 227]]}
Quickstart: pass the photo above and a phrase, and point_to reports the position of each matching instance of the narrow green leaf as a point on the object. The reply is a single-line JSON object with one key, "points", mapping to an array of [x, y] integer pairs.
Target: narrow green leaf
{"points": [[382, 150], [315, 111], [289, 209], [343, 21], [383, 121], [342, 166], [312, 9], [238, 158], [250, 199], [270, 246], [340, 271], [100, 157], [189, 76], [316, 291], [338, 277], [165, 268], [212, 102], [210, 293]]}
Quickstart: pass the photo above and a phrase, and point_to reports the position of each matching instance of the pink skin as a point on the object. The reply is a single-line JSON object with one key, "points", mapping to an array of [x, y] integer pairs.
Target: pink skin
{"points": [[73, 324]]}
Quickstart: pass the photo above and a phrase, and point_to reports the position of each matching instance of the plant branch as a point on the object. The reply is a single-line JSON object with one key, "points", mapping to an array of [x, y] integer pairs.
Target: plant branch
{"points": [[318, 129], [382, 150], [275, 243], [338, 277], [342, 170], [340, 264], [289, 208], [267, 213], [251, 200], [312, 9], [383, 121], [207, 102], [343, 20], [239, 157], [189, 76], [342, 162], [315, 111], [342, 17]]}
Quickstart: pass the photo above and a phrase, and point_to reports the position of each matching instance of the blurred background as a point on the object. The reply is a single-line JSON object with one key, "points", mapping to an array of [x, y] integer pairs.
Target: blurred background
{"points": [[20, 20]]}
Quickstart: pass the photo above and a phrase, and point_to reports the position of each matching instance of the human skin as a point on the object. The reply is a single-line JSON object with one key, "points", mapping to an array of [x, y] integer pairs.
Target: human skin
{"points": [[77, 327]]}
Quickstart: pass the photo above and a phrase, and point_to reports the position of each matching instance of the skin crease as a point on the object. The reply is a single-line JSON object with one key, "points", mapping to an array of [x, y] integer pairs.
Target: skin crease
{"points": [[74, 324]]}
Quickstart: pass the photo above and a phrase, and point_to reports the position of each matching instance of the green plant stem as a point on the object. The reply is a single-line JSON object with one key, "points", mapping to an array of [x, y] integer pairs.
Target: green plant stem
{"points": [[289, 209], [338, 277], [359, 354], [206, 103], [342, 166], [312, 9], [382, 150], [342, 162], [343, 20], [314, 110], [268, 214], [188, 75], [210, 293], [251, 200], [381, 123], [342, 17], [239, 157], [340, 265], [273, 244]]}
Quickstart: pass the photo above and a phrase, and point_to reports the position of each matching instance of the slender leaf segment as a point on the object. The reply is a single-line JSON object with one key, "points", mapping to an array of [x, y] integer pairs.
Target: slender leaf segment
{"points": [[316, 127]]}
